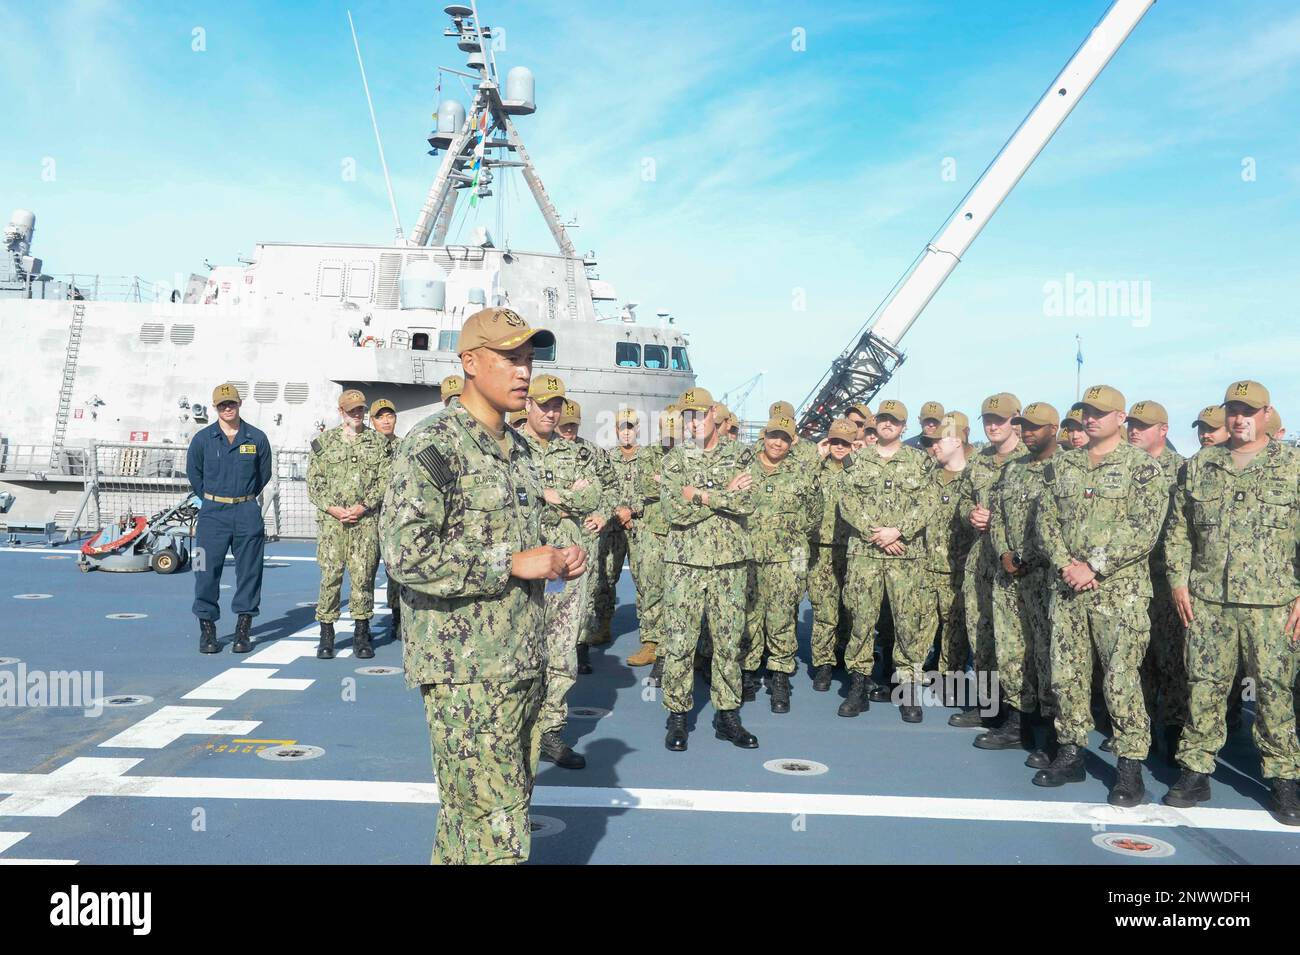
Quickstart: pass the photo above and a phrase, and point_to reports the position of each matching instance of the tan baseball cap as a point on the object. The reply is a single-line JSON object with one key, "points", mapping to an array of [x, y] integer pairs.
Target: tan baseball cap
{"points": [[226, 392], [516, 418], [546, 387], [1212, 416], [351, 399], [1004, 405], [1273, 423], [844, 430], [862, 410], [380, 406], [1148, 412], [670, 424], [1104, 398], [1038, 413], [894, 408], [572, 413], [452, 385], [626, 416], [500, 329], [695, 399], [932, 409], [781, 409], [724, 413], [962, 421], [784, 424], [1075, 415], [949, 427], [1248, 392]]}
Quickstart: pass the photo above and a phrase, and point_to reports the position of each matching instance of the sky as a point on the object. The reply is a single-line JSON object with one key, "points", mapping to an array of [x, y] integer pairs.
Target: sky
{"points": [[763, 171]]}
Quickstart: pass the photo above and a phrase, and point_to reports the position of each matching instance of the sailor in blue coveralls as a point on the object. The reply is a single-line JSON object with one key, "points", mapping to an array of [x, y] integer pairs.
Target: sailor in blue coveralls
{"points": [[228, 465]]}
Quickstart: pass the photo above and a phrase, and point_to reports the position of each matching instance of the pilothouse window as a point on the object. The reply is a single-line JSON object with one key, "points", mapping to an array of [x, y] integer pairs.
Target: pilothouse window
{"points": [[680, 361], [447, 341], [656, 356], [544, 354], [627, 355], [420, 341]]}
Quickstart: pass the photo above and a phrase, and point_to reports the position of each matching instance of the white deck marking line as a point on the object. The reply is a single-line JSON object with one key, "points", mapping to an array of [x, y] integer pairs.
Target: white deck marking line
{"points": [[7, 841], [233, 683], [63, 789], [87, 782], [165, 726], [289, 650]]}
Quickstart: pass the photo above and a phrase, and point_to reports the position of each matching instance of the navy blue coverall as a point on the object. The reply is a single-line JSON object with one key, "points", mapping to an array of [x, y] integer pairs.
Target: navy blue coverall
{"points": [[218, 467]]}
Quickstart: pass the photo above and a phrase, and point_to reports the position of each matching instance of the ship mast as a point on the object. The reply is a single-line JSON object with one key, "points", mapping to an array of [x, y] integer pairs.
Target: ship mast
{"points": [[478, 138]]}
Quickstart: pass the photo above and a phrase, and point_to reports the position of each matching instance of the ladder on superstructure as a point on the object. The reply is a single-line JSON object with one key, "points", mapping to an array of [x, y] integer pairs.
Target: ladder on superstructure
{"points": [[69, 377]]}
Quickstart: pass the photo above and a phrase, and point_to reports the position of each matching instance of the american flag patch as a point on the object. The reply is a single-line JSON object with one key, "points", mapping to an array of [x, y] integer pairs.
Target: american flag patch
{"points": [[436, 466]]}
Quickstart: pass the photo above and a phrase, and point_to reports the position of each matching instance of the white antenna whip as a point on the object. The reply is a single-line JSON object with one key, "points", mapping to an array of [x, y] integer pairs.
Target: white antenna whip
{"points": [[375, 123]]}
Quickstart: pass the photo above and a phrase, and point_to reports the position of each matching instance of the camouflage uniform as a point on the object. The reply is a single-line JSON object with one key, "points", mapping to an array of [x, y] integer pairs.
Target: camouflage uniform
{"points": [[829, 561], [1109, 515], [982, 565], [887, 492], [948, 538], [617, 544], [706, 558], [1164, 674], [1021, 624], [649, 540], [394, 600], [787, 510], [600, 592], [455, 513], [561, 464], [341, 473], [1232, 538]]}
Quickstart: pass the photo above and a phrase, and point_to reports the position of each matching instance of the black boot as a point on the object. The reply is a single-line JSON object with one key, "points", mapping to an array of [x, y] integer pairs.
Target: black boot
{"points": [[726, 725], [395, 622], [1191, 788], [856, 702], [880, 692], [822, 677], [780, 692], [1285, 803], [1042, 758], [750, 681], [326, 649], [208, 637], [584, 659], [1128, 789], [361, 647], [656, 676], [1007, 736], [1107, 745], [242, 644], [910, 707], [1067, 767], [967, 719], [1173, 736], [557, 751], [677, 732]]}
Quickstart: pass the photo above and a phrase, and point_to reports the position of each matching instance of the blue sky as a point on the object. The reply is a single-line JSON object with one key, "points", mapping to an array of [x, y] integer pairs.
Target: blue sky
{"points": [[780, 175]]}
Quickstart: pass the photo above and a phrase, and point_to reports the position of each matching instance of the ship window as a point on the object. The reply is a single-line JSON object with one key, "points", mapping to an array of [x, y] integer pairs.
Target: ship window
{"points": [[361, 278], [627, 354], [329, 282], [544, 354], [656, 356], [680, 361], [420, 341], [447, 341]]}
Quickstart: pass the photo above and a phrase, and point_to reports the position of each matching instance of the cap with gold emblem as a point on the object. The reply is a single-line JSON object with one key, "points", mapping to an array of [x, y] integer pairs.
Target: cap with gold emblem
{"points": [[1037, 414], [1104, 398], [963, 423], [860, 409], [500, 329], [572, 413], [844, 430], [546, 387], [380, 406], [351, 399], [452, 385], [626, 416], [932, 410], [1211, 416], [949, 428], [1148, 412], [670, 424], [892, 408], [782, 424], [226, 392], [781, 409], [1074, 417], [1002, 405], [516, 418], [1273, 423], [695, 399], [1250, 393], [673, 408]]}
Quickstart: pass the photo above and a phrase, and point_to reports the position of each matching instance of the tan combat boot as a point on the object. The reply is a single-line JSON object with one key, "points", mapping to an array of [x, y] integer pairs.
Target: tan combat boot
{"points": [[643, 657]]}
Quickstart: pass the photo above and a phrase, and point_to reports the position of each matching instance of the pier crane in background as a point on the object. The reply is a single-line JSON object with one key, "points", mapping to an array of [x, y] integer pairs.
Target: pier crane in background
{"points": [[871, 359]]}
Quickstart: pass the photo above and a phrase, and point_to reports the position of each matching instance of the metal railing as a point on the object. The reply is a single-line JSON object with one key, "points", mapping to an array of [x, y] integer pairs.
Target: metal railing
{"points": [[34, 460], [113, 288]]}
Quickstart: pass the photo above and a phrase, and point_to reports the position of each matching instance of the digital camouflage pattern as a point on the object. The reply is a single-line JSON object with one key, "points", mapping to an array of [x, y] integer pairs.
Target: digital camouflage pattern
{"points": [[341, 473], [829, 563], [1232, 539], [787, 502], [706, 553], [648, 552], [600, 590], [570, 469], [455, 513], [617, 544], [983, 471], [1164, 672], [948, 538], [1108, 514], [887, 492], [393, 587], [1021, 622]]}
